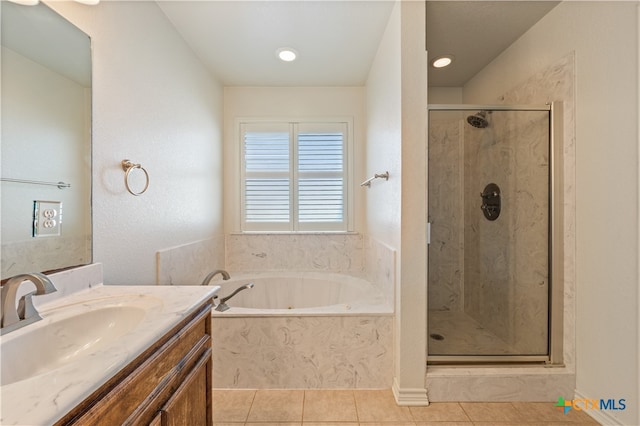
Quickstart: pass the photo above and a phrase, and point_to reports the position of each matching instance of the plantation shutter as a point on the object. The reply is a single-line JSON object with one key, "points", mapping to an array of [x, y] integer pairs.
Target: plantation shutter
{"points": [[267, 176], [321, 176], [294, 176]]}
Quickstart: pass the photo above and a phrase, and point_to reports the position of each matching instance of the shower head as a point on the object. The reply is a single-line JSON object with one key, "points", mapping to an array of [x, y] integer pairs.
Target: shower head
{"points": [[478, 120]]}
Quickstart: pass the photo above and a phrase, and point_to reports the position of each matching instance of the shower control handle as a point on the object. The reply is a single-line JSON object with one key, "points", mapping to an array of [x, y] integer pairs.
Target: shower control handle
{"points": [[491, 202], [492, 194]]}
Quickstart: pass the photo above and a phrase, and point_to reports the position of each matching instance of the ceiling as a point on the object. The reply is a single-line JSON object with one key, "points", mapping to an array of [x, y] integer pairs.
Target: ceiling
{"points": [[475, 32], [40, 34], [337, 39]]}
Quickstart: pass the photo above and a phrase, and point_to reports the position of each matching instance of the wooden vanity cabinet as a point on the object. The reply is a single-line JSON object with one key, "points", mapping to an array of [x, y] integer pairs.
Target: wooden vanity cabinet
{"points": [[168, 384]]}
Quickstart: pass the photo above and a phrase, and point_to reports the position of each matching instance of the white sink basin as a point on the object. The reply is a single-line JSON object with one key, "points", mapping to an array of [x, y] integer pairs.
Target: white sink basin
{"points": [[85, 337], [40, 348]]}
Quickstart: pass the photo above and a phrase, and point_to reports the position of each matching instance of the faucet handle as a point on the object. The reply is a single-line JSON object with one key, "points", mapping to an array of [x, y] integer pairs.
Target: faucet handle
{"points": [[26, 308], [13, 318]]}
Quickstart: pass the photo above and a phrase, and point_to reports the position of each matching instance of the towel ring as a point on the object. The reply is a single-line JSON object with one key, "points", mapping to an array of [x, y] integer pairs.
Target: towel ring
{"points": [[127, 166]]}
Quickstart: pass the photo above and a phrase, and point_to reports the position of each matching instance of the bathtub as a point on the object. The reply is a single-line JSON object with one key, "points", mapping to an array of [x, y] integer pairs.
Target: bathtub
{"points": [[302, 293], [305, 330]]}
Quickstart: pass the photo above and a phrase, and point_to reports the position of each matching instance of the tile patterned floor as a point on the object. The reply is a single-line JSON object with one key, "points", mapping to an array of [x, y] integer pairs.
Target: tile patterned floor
{"points": [[375, 408]]}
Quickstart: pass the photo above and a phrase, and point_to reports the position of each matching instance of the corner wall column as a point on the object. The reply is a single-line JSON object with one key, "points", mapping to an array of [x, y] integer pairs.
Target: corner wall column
{"points": [[411, 292]]}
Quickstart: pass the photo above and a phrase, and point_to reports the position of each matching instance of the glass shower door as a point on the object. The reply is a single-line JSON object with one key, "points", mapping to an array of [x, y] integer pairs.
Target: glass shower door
{"points": [[489, 281]]}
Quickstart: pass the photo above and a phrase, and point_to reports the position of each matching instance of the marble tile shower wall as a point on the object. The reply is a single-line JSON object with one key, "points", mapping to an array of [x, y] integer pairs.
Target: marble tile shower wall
{"points": [[506, 279], [504, 287], [494, 271], [552, 84], [446, 214]]}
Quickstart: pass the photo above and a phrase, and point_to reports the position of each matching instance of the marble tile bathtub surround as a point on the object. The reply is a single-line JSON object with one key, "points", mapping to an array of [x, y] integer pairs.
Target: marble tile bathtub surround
{"points": [[351, 254], [341, 253], [189, 264], [380, 266], [303, 352], [42, 254], [287, 352]]}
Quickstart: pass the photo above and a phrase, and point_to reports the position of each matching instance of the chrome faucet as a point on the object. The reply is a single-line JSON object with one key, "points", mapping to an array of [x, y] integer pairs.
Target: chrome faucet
{"points": [[222, 306], [14, 318], [208, 278]]}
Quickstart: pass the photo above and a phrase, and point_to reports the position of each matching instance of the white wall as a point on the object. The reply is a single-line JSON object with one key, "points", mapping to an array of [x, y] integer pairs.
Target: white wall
{"points": [[604, 37], [155, 104], [384, 137], [411, 299], [445, 95], [396, 210], [284, 102]]}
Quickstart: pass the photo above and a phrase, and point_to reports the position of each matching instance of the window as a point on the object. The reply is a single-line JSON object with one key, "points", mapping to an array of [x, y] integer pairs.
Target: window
{"points": [[294, 176]]}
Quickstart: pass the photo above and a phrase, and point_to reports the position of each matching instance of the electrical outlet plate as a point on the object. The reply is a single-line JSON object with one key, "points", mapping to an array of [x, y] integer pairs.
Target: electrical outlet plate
{"points": [[47, 218]]}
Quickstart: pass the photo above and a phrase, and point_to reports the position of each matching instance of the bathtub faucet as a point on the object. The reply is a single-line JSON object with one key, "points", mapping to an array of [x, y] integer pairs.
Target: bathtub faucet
{"points": [[208, 278], [222, 306]]}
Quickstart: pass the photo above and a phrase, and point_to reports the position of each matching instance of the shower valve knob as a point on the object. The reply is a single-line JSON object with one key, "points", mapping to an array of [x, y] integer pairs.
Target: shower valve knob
{"points": [[493, 194]]}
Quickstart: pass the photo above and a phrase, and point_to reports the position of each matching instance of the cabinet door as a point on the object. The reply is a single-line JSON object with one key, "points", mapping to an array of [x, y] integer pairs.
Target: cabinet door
{"points": [[191, 402], [157, 420]]}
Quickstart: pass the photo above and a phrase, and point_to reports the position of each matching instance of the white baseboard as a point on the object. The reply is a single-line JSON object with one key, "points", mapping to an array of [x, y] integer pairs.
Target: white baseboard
{"points": [[602, 417], [415, 397]]}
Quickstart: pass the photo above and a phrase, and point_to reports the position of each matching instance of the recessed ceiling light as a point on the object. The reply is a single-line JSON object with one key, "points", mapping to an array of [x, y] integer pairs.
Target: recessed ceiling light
{"points": [[287, 54], [442, 61]]}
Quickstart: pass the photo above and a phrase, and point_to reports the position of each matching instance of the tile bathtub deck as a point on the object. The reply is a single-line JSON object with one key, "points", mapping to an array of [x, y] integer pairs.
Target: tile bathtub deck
{"points": [[375, 407]]}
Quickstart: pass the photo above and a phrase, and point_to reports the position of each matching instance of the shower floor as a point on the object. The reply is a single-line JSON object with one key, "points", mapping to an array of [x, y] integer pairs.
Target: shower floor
{"points": [[462, 335]]}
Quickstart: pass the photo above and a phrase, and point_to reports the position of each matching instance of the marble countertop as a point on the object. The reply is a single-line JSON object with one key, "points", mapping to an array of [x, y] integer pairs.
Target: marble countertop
{"points": [[49, 395]]}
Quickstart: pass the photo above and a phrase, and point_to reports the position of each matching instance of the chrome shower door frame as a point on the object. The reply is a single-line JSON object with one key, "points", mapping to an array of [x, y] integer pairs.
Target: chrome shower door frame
{"points": [[554, 356]]}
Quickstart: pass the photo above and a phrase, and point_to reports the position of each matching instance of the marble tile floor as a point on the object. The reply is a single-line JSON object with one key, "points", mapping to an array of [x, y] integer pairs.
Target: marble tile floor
{"points": [[376, 408], [463, 336]]}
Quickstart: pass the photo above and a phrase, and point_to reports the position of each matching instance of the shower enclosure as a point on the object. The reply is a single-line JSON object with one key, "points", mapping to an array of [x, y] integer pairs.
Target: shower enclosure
{"points": [[490, 234]]}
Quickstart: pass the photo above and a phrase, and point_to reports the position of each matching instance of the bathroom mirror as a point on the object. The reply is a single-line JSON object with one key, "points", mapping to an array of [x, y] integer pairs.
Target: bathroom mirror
{"points": [[46, 139]]}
